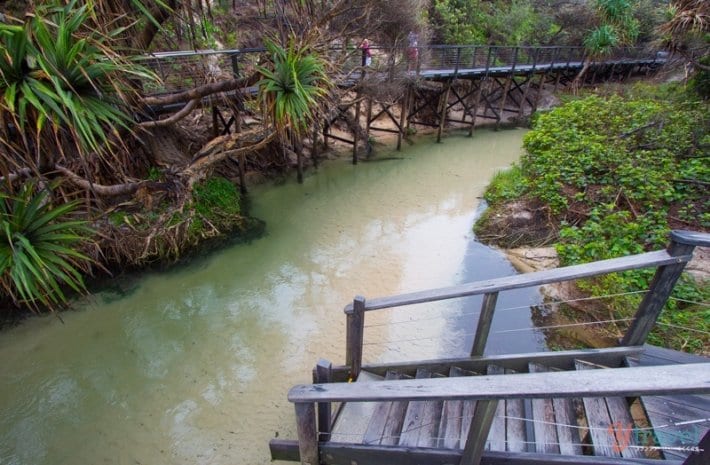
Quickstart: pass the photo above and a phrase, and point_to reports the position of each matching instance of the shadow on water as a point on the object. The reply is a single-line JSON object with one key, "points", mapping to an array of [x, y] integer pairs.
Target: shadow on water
{"points": [[512, 330]]}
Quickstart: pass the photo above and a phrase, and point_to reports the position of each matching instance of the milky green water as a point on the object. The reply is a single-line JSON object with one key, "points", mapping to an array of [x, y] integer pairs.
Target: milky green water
{"points": [[192, 366]]}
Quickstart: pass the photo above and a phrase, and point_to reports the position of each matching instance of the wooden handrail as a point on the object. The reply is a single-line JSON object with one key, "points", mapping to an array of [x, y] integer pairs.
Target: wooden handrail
{"points": [[609, 382], [670, 264], [518, 281]]}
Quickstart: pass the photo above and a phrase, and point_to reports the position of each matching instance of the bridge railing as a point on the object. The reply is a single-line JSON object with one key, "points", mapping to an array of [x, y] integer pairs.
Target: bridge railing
{"points": [[669, 264], [187, 69]]}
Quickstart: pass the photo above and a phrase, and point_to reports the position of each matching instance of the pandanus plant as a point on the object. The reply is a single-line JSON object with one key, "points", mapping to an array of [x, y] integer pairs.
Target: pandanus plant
{"points": [[62, 88], [38, 242], [292, 87]]}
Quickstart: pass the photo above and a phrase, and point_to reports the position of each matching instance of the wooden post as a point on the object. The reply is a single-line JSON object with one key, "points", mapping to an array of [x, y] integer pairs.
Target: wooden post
{"points": [[215, 122], [355, 332], [506, 88], [323, 373], [444, 105], [403, 118], [527, 85], [314, 142], [326, 127], [368, 117], [478, 433], [484, 324], [307, 439], [681, 246], [357, 127]]}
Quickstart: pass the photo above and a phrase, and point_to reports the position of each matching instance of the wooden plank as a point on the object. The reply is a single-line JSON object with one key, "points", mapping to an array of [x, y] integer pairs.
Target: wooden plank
{"points": [[477, 434], [355, 331], [663, 411], [376, 426], [322, 374], [485, 319], [393, 425], [451, 414], [496, 436], [415, 415], [634, 381], [644, 260], [515, 423], [307, 439], [655, 299], [469, 408], [347, 454], [599, 421], [431, 418], [353, 417], [623, 423], [611, 357], [544, 420], [653, 355], [568, 436]]}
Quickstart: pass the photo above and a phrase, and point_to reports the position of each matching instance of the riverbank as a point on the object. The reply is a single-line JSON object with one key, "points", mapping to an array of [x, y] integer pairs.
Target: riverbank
{"points": [[597, 184]]}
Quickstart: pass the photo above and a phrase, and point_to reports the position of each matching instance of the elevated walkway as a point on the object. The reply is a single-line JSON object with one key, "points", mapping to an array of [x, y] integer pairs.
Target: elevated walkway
{"points": [[622, 405]]}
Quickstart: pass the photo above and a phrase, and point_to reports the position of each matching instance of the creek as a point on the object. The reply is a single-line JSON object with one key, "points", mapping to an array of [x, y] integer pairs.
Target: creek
{"points": [[192, 365]]}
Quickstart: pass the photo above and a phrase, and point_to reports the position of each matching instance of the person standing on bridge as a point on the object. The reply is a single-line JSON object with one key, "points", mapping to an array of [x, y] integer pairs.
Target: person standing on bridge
{"points": [[366, 53]]}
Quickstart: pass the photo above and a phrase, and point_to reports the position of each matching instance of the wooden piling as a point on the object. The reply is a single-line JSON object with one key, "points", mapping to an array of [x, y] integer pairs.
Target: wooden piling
{"points": [[444, 107]]}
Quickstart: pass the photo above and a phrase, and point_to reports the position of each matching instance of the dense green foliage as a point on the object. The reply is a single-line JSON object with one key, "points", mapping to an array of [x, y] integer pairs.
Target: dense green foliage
{"points": [[59, 86], [617, 174], [516, 22], [38, 248]]}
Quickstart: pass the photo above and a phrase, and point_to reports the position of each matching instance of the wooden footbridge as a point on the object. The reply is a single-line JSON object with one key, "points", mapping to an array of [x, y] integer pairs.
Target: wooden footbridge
{"points": [[447, 84], [631, 404]]}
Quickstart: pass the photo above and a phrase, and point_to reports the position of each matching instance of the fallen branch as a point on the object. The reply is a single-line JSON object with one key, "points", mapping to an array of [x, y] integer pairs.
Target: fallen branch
{"points": [[100, 189], [201, 92], [186, 110]]}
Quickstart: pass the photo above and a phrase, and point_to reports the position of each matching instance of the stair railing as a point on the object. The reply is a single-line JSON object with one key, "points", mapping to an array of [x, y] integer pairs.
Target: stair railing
{"points": [[670, 264], [487, 390]]}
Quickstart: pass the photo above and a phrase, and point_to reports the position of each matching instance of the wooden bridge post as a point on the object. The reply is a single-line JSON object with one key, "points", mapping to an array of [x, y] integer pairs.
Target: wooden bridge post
{"points": [[506, 88], [682, 244], [484, 324], [478, 433], [354, 335], [444, 106], [356, 131], [527, 85], [481, 82], [306, 427], [314, 142], [403, 118]]}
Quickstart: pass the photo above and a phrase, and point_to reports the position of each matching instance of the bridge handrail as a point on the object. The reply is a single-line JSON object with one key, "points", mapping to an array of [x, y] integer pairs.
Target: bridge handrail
{"points": [[178, 68], [670, 264]]}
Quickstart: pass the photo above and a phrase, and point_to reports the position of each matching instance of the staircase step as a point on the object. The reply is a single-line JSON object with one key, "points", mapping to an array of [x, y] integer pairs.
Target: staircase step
{"points": [[353, 418], [515, 423], [468, 408], [496, 437], [378, 421], [414, 418], [546, 440], [568, 437], [610, 423], [451, 415]]}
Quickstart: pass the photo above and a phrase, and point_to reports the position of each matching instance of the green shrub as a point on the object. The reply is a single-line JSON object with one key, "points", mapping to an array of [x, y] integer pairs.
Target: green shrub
{"points": [[38, 249]]}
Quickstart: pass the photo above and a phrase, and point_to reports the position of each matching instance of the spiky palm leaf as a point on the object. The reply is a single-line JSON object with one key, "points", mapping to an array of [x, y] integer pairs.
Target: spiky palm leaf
{"points": [[38, 254], [60, 85], [291, 87]]}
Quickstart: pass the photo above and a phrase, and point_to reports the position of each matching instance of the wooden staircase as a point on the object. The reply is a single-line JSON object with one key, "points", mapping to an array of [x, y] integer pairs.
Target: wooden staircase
{"points": [[599, 426]]}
